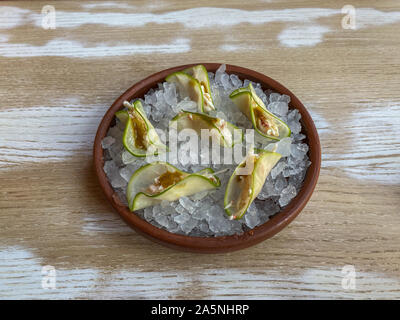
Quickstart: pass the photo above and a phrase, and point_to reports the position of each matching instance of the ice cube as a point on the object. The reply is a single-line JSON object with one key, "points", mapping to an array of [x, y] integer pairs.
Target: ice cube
{"points": [[180, 209], [186, 104], [264, 98], [148, 213], [169, 210], [173, 226], [267, 208], [126, 173], [160, 99], [299, 137], [252, 209], [274, 97], [251, 217], [199, 195], [294, 115], [187, 204], [280, 184], [170, 93], [107, 142], [213, 212], [162, 219], [284, 98], [189, 225], [267, 191], [236, 82], [218, 224], [225, 80], [188, 153], [122, 195], [277, 169], [182, 218], [278, 108], [298, 151], [203, 226], [127, 157], [157, 210], [147, 109], [260, 93], [200, 214], [287, 172], [115, 132], [297, 179], [287, 195], [294, 126], [157, 115], [218, 74], [164, 204], [283, 147], [112, 172], [246, 83], [150, 97]]}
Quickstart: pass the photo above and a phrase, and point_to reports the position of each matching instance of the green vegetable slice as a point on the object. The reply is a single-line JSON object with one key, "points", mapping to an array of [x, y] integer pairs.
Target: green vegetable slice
{"points": [[188, 87], [264, 122], [197, 121], [158, 181], [140, 137], [122, 115], [247, 181], [200, 73]]}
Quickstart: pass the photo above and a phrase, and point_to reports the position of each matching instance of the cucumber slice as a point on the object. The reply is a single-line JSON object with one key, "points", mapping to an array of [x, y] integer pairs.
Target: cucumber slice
{"points": [[122, 115], [198, 121], [245, 185], [265, 123], [140, 137], [159, 181], [199, 72], [188, 87]]}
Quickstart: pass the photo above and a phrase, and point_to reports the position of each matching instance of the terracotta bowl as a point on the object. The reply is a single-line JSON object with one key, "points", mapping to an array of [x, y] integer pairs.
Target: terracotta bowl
{"points": [[216, 244]]}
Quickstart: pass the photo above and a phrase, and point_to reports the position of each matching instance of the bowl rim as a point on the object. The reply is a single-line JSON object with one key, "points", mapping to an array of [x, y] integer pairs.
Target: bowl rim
{"points": [[221, 243]]}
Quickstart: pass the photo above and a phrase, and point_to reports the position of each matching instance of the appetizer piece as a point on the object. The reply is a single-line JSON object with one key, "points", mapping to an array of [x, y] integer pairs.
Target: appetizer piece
{"points": [[247, 181], [193, 83], [199, 72], [140, 137], [187, 87], [197, 121], [158, 181], [264, 122]]}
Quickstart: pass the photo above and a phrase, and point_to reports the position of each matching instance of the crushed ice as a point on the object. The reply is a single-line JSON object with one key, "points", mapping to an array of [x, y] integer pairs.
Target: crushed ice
{"points": [[202, 214]]}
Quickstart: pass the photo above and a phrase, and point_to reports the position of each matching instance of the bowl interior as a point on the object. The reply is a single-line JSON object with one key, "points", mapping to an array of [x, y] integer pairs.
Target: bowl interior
{"points": [[212, 244]]}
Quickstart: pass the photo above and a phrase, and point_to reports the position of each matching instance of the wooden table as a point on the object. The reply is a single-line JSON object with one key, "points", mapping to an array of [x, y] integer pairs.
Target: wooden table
{"points": [[56, 84]]}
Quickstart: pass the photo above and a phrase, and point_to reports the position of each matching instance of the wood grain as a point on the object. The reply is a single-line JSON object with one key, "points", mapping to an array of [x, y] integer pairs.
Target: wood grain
{"points": [[55, 86]]}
